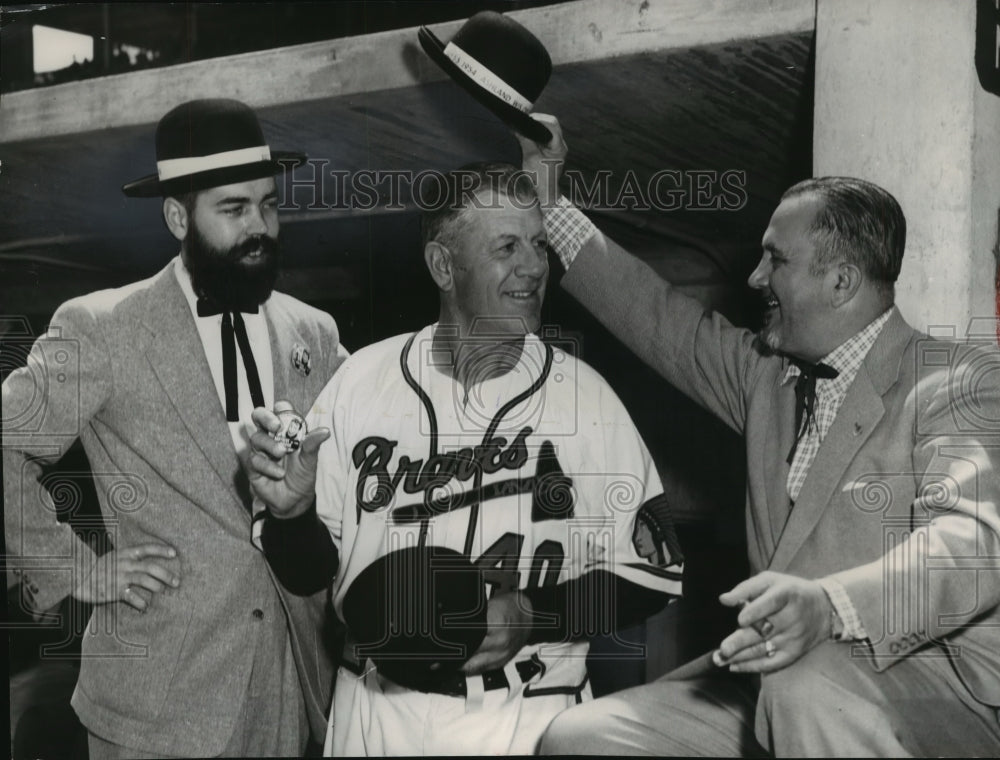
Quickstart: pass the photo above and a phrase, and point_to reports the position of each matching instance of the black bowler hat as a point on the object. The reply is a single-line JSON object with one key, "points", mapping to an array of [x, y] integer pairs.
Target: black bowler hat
{"points": [[207, 143], [418, 613], [500, 63]]}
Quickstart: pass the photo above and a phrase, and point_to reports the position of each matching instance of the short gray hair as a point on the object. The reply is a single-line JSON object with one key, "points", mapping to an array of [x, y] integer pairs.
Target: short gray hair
{"points": [[443, 222]]}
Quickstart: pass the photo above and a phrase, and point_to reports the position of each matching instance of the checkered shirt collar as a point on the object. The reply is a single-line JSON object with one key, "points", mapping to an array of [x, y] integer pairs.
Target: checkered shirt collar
{"points": [[847, 357]]}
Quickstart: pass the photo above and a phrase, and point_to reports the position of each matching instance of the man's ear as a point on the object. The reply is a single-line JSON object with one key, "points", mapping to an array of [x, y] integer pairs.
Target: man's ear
{"points": [[176, 217], [848, 279], [439, 263]]}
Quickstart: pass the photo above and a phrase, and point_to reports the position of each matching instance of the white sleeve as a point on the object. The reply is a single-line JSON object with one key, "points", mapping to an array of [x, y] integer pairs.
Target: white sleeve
{"points": [[645, 550], [330, 410]]}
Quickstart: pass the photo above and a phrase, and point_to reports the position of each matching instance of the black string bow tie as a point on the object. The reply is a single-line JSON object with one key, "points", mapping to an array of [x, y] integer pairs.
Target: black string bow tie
{"points": [[233, 327], [209, 307], [805, 397]]}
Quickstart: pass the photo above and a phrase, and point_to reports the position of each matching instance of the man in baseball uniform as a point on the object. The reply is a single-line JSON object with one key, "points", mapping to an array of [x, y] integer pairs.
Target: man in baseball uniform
{"points": [[475, 437]]}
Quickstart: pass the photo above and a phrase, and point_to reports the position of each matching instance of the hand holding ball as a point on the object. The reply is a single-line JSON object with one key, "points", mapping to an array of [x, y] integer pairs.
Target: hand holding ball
{"points": [[293, 427]]}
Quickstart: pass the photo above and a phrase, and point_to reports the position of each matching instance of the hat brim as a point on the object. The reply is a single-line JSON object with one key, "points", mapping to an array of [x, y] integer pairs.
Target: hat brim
{"points": [[151, 187], [513, 118]]}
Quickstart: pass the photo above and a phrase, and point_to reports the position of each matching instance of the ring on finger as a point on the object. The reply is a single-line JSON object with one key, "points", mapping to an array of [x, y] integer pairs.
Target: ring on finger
{"points": [[769, 648], [128, 590], [766, 628]]}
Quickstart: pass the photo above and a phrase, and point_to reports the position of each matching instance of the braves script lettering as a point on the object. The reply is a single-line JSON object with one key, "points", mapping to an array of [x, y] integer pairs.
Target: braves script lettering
{"points": [[372, 456]]}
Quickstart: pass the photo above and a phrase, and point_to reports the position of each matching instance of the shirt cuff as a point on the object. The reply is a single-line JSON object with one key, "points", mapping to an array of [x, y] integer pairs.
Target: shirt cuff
{"points": [[853, 629], [568, 229]]}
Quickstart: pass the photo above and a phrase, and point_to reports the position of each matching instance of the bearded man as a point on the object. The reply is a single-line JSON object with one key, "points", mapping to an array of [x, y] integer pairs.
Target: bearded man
{"points": [[194, 649]]}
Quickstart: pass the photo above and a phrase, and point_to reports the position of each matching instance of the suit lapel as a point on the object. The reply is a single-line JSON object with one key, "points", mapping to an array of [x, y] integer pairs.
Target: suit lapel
{"points": [[776, 464], [283, 336], [177, 358], [859, 415], [289, 384], [860, 412]]}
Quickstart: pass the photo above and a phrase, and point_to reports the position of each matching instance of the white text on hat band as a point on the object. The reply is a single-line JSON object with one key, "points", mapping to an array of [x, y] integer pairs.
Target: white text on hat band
{"points": [[486, 79]]}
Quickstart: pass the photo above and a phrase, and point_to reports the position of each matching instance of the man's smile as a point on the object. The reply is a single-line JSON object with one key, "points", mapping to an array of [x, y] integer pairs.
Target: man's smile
{"points": [[522, 295]]}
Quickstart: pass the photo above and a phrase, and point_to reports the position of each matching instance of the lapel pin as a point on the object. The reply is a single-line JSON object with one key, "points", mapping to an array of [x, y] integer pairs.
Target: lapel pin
{"points": [[857, 428], [301, 360]]}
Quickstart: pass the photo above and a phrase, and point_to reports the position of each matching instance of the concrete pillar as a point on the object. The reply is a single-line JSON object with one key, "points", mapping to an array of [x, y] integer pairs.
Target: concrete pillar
{"points": [[898, 102]]}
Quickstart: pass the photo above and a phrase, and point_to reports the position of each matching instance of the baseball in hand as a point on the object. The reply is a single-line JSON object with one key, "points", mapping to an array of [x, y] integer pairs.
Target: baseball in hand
{"points": [[293, 427]]}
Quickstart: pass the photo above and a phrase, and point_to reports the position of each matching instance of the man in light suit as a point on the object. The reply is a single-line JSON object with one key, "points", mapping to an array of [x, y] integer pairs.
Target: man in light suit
{"points": [[870, 624], [194, 649]]}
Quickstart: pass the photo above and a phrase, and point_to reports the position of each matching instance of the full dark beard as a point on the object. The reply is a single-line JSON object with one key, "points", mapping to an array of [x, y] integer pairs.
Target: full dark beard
{"points": [[225, 277]]}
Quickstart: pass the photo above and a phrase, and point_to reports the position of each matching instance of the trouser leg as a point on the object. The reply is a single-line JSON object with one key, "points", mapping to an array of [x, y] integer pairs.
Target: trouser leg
{"points": [[711, 716], [832, 704], [100, 749]]}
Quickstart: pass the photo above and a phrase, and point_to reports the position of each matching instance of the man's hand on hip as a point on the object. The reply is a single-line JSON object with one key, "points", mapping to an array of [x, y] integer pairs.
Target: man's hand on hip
{"points": [[132, 574], [284, 480]]}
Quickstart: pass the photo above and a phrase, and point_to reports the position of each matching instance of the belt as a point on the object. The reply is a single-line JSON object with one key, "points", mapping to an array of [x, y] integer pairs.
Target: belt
{"points": [[454, 685]]}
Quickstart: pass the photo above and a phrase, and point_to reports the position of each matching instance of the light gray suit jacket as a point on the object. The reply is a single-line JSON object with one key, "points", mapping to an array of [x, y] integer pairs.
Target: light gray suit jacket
{"points": [[901, 502], [124, 370]]}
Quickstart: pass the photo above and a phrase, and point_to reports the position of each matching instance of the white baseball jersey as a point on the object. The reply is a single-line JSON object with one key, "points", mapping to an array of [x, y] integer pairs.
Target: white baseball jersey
{"points": [[536, 475]]}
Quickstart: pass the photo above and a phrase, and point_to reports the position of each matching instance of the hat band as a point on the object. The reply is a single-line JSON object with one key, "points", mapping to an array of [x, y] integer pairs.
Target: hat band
{"points": [[486, 79], [182, 167]]}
